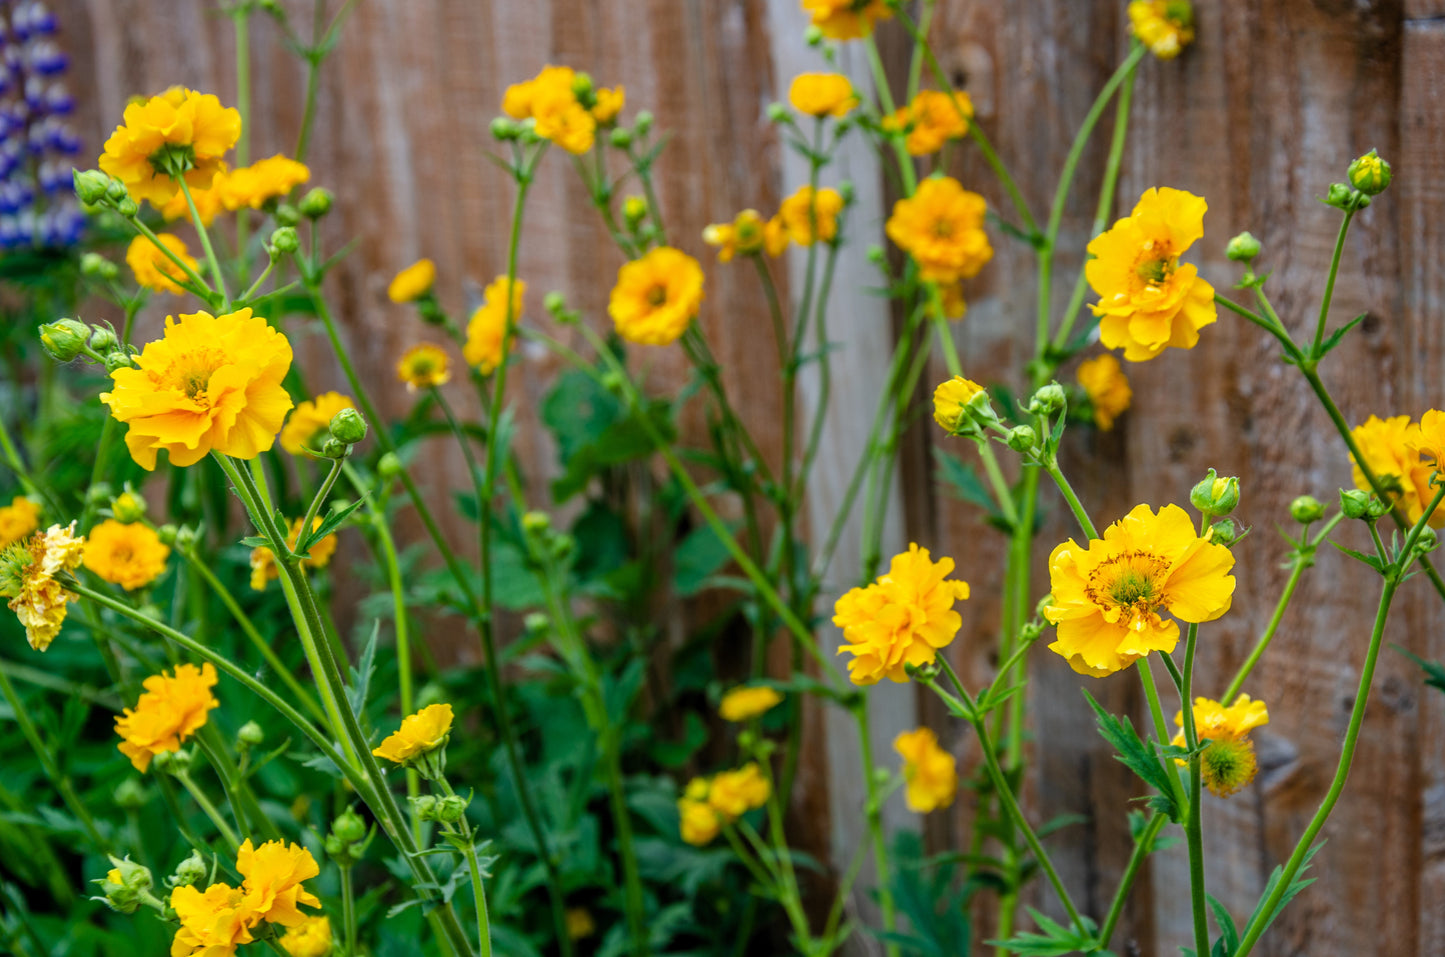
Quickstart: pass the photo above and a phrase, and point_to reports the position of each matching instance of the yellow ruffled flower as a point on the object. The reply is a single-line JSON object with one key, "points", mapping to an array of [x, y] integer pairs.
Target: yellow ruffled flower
{"points": [[743, 703], [310, 938], [172, 708], [519, 100], [271, 178], [609, 104], [745, 235], [17, 520], [153, 269], [801, 212], [698, 823], [1103, 380], [419, 734], [548, 99], [580, 923], [263, 560], [1166, 27], [1228, 762], [214, 922], [211, 384], [423, 367], [273, 876], [847, 19], [656, 296], [1148, 300], [929, 772], [413, 282], [564, 121], [177, 130], [1107, 597], [822, 94], [131, 556], [1427, 440], [487, 329], [734, 793], [1392, 449], [901, 619], [310, 420], [27, 577], [932, 119], [941, 227], [951, 400]]}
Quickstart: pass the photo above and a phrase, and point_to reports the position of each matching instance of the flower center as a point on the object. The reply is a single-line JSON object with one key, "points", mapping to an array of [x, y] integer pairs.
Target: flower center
{"points": [[1133, 583], [942, 228], [1156, 271], [657, 295], [192, 372]]}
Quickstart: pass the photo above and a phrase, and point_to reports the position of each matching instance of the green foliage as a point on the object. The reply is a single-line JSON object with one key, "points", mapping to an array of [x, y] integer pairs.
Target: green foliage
{"points": [[1139, 758]]}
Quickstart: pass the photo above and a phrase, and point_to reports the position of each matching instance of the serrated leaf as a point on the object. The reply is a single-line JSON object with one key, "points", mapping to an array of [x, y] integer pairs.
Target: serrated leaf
{"points": [[964, 482], [700, 555], [359, 688], [1339, 334], [329, 524], [1372, 560], [1137, 757], [1298, 884], [1434, 670], [1228, 932], [1054, 941]]}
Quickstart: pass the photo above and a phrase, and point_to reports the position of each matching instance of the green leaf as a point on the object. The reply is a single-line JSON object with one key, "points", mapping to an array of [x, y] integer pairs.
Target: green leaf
{"points": [[701, 554], [1054, 941], [328, 525], [1295, 886], [1434, 670], [1339, 334], [361, 672], [1372, 560], [965, 483], [1228, 933], [1137, 757]]}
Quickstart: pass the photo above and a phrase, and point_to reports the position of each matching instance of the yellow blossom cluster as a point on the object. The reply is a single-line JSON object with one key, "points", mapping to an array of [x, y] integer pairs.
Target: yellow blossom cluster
{"points": [[805, 217], [179, 131], [27, 577], [930, 774], [216, 921], [1166, 27], [564, 105], [931, 119], [847, 19], [941, 227], [1403, 455], [487, 329], [310, 938], [247, 187], [263, 560], [171, 709], [129, 555], [709, 805]]}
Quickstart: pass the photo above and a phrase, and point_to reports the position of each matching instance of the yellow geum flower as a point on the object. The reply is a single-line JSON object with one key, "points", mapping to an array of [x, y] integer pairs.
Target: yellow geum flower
{"points": [[27, 577], [487, 329], [580, 923], [423, 367], [1107, 596], [656, 296], [901, 619], [131, 556], [801, 212], [519, 100], [413, 282], [172, 708], [1166, 27], [1148, 300], [745, 235], [1427, 440], [847, 19], [310, 938], [550, 101], [609, 104], [17, 520], [263, 560], [1392, 449], [271, 178], [1228, 762], [273, 876], [932, 119], [310, 420], [698, 823], [564, 121], [743, 703], [929, 772], [734, 793], [941, 227], [822, 94], [211, 384], [1104, 382], [419, 734], [178, 131], [155, 270], [951, 400], [214, 922]]}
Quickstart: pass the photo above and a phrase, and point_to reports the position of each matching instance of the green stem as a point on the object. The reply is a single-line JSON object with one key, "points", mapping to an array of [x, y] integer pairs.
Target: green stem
{"points": [[206, 292], [216, 275], [1142, 847], [241, 19], [1193, 830], [199, 796], [1082, 516], [874, 809], [348, 912], [1330, 283]]}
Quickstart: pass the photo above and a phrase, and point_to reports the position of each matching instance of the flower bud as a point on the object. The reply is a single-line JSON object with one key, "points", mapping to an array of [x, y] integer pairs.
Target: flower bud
{"points": [[813, 36], [583, 87], [349, 826], [643, 123], [99, 493], [118, 360], [505, 129], [284, 240], [1242, 248], [1355, 503], [424, 806], [1306, 509], [186, 538], [848, 191], [172, 762], [1022, 438], [389, 466], [189, 871], [554, 302], [621, 137], [91, 186], [128, 507], [1225, 532], [536, 523], [287, 215], [127, 207], [64, 339], [777, 112], [348, 426], [450, 809], [536, 623], [876, 254], [125, 885], [333, 448], [317, 203], [130, 795], [103, 339], [167, 534], [1344, 196], [1215, 496], [96, 266], [634, 210], [1369, 174], [612, 382], [250, 735], [1048, 399]]}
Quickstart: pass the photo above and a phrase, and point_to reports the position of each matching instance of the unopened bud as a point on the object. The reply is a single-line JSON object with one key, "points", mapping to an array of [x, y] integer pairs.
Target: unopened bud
{"points": [[103, 339], [284, 240], [250, 735], [99, 493], [848, 191], [536, 523], [450, 809], [189, 871], [813, 36], [130, 795], [317, 203], [1214, 495], [1369, 174], [554, 302], [1428, 540], [389, 466], [167, 534], [333, 448], [643, 123], [172, 762], [1048, 399], [1355, 503], [1345, 196], [125, 885], [127, 207], [877, 254], [777, 112], [186, 538], [634, 210], [348, 426], [91, 185], [64, 339], [128, 507], [1242, 248], [1306, 509], [118, 360], [582, 87], [536, 623], [424, 807], [286, 214], [621, 137], [115, 190], [505, 129], [349, 826], [96, 266], [1022, 438], [1225, 532]]}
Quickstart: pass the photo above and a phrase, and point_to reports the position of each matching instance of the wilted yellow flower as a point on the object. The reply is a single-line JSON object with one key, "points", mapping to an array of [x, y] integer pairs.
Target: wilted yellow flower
{"points": [[27, 577], [273, 874], [941, 227], [487, 329], [153, 269], [419, 734], [802, 212], [131, 556], [1392, 450], [745, 235], [18, 519], [609, 104], [1148, 300], [1107, 597], [310, 938], [211, 384], [267, 179], [1228, 763], [951, 399], [179, 130], [214, 922], [929, 772], [310, 419], [423, 367], [822, 94], [263, 560], [901, 619], [1107, 387], [846, 19], [656, 296], [171, 709], [743, 703], [932, 119], [734, 793], [1164, 26], [413, 282]]}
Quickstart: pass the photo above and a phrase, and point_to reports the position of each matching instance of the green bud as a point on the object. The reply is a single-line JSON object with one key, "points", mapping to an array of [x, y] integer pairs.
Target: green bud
{"points": [[505, 129], [813, 36], [621, 137], [537, 623], [348, 426], [634, 210], [118, 360], [103, 339], [1306, 509], [1369, 174], [424, 806], [168, 534], [583, 88], [91, 186], [1428, 541], [284, 240], [877, 254], [1355, 503], [1242, 248], [128, 507], [127, 207], [536, 523], [612, 382], [554, 302], [777, 112], [1215, 496], [349, 826], [99, 493], [172, 762], [125, 885], [1344, 196], [1225, 532], [64, 339], [450, 809], [317, 203], [389, 466], [250, 735], [186, 538], [96, 266], [115, 190], [1022, 438], [333, 448], [130, 794], [287, 215], [1048, 399], [190, 871], [848, 191], [643, 123]]}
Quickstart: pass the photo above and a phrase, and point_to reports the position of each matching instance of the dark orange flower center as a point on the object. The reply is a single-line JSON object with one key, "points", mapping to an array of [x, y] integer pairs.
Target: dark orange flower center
{"points": [[1132, 582], [191, 373], [657, 295]]}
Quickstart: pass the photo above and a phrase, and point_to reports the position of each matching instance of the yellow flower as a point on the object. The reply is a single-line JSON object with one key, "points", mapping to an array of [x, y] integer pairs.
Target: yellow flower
{"points": [[267, 179], [212, 383], [419, 734], [423, 367], [548, 99], [846, 19], [310, 938], [179, 130], [800, 212], [213, 923], [519, 101], [27, 577], [580, 923], [932, 119], [746, 234], [951, 400], [698, 823], [1392, 450], [17, 520], [1107, 387], [263, 560], [822, 94], [273, 874], [941, 227], [564, 121], [734, 793], [153, 269], [487, 329], [1428, 441], [609, 104], [1147, 299], [208, 201], [1107, 597], [901, 619], [950, 297], [413, 282], [930, 773], [656, 296], [171, 709], [1228, 762], [130, 556], [743, 703], [1164, 26], [775, 236], [310, 419]]}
